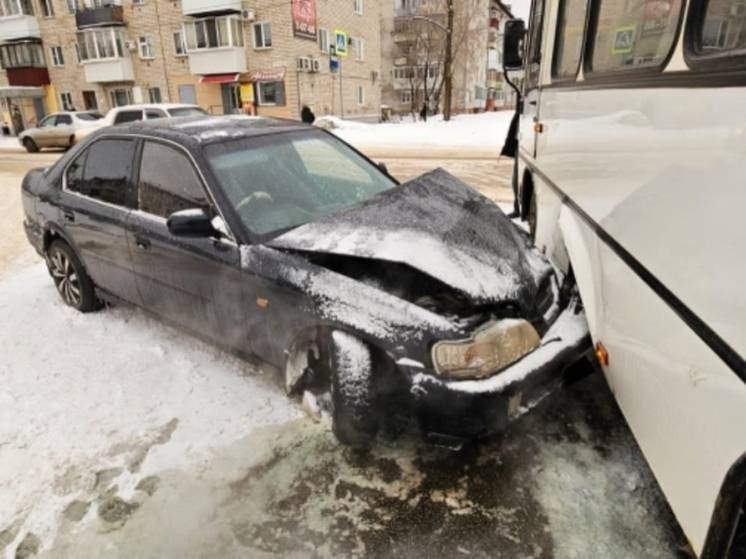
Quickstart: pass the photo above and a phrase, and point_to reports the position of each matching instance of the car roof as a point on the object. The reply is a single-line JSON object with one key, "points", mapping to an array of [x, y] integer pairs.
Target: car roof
{"points": [[203, 130], [165, 106]]}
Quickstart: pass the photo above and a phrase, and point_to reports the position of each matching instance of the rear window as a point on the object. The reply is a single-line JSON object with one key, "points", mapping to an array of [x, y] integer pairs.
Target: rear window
{"points": [[187, 111], [634, 34], [722, 28], [88, 116], [127, 116]]}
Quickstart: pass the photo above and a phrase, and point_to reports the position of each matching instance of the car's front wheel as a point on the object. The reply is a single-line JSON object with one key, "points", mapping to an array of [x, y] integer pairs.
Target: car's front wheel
{"points": [[70, 278], [354, 420], [30, 145]]}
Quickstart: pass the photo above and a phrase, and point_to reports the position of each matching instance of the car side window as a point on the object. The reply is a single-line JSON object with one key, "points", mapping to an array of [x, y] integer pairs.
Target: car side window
{"points": [[108, 169], [63, 119], [168, 182], [154, 113], [74, 174], [48, 121], [127, 116]]}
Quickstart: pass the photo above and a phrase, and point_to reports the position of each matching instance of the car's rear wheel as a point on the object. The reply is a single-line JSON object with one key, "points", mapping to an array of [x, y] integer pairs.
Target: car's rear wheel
{"points": [[30, 145], [70, 278], [71, 141], [354, 420]]}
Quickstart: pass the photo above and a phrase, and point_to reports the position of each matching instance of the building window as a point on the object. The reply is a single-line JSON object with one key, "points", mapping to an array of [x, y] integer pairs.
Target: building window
{"points": [[78, 58], [145, 46], [57, 58], [179, 43], [214, 32], [47, 8], [101, 44], [120, 97], [324, 40], [262, 35], [358, 47], [405, 97], [271, 93], [72, 6], [16, 8], [154, 95], [138, 2], [357, 7], [67, 101], [360, 95], [21, 55]]}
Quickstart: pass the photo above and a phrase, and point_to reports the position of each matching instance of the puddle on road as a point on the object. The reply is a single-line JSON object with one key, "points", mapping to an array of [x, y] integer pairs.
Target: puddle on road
{"points": [[564, 481]]}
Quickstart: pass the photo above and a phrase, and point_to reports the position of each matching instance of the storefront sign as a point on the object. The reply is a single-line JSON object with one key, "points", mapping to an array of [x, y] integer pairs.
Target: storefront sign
{"points": [[267, 75], [304, 19], [340, 42], [247, 93]]}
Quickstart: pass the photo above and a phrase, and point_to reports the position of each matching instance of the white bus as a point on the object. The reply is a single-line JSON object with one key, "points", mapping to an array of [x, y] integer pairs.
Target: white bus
{"points": [[632, 175]]}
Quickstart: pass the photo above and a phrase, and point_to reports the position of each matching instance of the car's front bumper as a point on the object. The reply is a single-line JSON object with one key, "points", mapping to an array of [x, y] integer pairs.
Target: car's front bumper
{"points": [[451, 411]]}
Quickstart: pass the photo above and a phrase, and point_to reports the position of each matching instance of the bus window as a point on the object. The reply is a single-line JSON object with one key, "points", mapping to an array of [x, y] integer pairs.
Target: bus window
{"points": [[723, 27], [634, 34], [534, 48], [568, 49]]}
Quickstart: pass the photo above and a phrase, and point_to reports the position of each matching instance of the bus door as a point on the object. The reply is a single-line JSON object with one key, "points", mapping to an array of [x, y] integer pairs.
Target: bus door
{"points": [[531, 91]]}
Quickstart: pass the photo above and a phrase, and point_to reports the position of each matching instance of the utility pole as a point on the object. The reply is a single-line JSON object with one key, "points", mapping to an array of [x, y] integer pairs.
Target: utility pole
{"points": [[448, 63]]}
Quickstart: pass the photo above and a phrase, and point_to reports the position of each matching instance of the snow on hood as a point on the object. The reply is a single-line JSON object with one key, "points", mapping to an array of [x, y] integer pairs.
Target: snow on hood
{"points": [[439, 226]]}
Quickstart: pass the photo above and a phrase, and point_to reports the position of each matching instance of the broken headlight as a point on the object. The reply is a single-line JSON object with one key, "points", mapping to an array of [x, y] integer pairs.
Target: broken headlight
{"points": [[490, 349]]}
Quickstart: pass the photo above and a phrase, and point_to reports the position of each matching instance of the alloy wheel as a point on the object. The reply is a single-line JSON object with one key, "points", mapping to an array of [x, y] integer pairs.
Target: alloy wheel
{"points": [[65, 278]]}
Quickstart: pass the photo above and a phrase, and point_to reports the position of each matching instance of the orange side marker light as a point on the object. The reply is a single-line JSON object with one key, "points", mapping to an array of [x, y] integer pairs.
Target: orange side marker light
{"points": [[602, 355], [262, 303]]}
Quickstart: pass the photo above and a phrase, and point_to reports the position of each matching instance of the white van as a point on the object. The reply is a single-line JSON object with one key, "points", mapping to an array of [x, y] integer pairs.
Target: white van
{"points": [[632, 174]]}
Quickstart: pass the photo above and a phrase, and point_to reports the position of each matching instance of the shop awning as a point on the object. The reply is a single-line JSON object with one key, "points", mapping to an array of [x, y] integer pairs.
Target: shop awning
{"points": [[219, 78], [267, 75], [20, 91]]}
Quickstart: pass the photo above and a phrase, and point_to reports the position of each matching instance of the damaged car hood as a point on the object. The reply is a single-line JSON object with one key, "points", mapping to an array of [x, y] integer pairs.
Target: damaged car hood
{"points": [[442, 228]]}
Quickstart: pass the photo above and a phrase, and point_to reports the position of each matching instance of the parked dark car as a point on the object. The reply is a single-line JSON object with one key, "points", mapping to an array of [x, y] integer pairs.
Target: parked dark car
{"points": [[277, 240]]}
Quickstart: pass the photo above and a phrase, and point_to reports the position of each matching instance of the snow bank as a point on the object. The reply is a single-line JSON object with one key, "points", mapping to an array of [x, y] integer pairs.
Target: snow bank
{"points": [[472, 131], [115, 389]]}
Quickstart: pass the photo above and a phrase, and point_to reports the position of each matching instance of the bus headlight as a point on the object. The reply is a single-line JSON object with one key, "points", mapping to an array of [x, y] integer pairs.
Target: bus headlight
{"points": [[490, 349]]}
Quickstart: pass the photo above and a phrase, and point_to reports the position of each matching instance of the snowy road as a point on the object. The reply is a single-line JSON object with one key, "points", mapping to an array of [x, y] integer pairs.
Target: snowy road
{"points": [[120, 437]]}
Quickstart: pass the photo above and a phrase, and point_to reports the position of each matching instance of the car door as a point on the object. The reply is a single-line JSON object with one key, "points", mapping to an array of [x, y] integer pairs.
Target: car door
{"points": [[62, 130], [193, 282], [42, 135], [95, 201]]}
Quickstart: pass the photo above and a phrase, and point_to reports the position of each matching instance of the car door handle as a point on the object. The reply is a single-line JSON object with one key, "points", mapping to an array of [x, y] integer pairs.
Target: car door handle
{"points": [[142, 243], [69, 216]]}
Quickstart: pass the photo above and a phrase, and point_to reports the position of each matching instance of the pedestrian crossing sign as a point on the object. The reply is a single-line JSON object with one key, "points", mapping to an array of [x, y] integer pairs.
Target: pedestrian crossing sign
{"points": [[340, 42], [624, 39]]}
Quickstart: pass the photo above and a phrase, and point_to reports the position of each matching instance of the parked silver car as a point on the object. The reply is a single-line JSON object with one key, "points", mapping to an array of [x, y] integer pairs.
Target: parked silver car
{"points": [[58, 130]]}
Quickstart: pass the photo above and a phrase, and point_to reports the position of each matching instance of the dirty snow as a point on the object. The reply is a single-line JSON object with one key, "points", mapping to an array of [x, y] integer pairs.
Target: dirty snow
{"points": [[474, 131], [107, 391], [355, 366]]}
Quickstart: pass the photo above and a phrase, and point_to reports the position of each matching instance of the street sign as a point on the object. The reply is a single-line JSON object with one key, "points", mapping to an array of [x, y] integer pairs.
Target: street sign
{"points": [[334, 64], [624, 40], [340, 42]]}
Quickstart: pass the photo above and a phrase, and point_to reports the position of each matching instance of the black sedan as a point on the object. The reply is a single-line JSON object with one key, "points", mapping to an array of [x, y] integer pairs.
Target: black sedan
{"points": [[278, 241]]}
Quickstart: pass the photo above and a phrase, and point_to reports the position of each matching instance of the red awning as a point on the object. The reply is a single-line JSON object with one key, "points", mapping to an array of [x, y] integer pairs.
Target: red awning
{"points": [[219, 78]]}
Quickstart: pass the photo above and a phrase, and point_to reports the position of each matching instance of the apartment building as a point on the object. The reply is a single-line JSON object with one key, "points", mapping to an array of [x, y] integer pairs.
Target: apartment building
{"points": [[499, 94], [267, 57], [413, 41]]}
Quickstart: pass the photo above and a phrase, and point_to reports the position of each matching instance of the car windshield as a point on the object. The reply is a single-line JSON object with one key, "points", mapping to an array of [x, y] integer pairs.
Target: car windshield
{"points": [[281, 181], [187, 111], [89, 116]]}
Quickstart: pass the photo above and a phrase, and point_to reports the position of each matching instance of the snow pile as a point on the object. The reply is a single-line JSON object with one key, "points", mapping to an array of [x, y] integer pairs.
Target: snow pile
{"points": [[81, 394], [484, 130]]}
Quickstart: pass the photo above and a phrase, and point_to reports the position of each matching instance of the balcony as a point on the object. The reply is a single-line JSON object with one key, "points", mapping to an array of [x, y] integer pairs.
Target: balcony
{"points": [[27, 77], [223, 60], [112, 70], [200, 7], [19, 26], [98, 17]]}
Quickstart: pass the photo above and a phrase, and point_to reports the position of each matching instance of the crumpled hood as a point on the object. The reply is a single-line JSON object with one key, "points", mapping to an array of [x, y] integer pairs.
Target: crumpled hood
{"points": [[439, 226]]}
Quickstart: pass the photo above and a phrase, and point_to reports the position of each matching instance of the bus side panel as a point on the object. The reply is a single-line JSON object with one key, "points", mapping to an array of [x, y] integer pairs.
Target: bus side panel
{"points": [[685, 407]]}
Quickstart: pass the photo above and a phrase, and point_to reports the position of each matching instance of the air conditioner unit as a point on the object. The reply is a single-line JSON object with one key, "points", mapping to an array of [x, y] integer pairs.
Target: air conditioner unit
{"points": [[303, 64], [315, 65], [248, 15], [738, 10], [130, 45]]}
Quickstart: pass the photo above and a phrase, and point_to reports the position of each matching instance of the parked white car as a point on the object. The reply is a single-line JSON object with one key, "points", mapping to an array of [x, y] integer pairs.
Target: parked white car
{"points": [[131, 113], [60, 130]]}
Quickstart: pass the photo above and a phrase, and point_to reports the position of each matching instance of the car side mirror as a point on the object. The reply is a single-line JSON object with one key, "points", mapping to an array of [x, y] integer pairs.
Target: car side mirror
{"points": [[191, 223], [513, 44]]}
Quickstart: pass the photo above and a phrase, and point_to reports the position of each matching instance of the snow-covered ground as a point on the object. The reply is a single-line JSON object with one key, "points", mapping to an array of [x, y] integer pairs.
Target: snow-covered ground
{"points": [[480, 131], [84, 394], [9, 143]]}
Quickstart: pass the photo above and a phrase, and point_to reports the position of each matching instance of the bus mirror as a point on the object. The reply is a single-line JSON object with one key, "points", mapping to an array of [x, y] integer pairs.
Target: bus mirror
{"points": [[513, 43]]}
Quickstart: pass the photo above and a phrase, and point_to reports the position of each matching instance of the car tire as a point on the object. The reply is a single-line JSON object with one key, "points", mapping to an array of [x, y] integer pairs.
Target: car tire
{"points": [[71, 142], [354, 421], [70, 278], [30, 145]]}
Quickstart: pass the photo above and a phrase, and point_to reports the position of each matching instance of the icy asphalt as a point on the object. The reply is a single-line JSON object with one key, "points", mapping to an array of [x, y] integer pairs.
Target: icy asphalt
{"points": [[120, 437]]}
